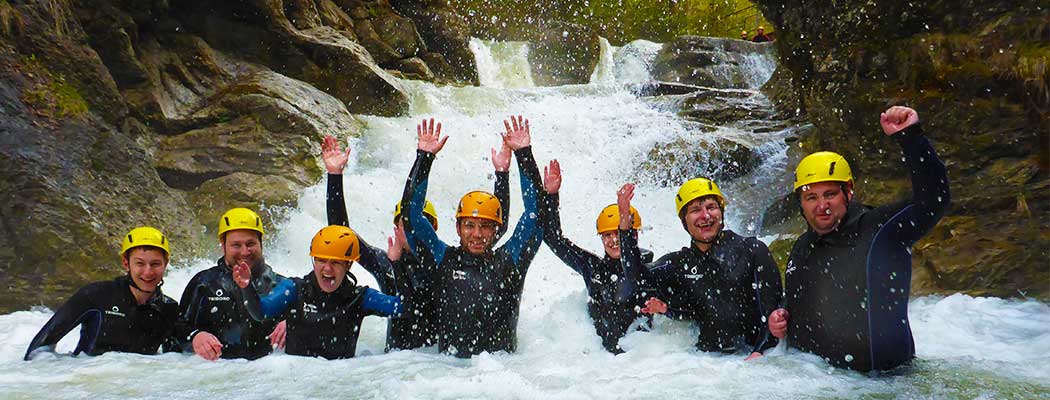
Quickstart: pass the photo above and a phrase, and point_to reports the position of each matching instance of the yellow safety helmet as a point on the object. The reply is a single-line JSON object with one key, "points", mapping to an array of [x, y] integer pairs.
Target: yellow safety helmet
{"points": [[335, 242], [428, 211], [609, 219], [145, 236], [822, 166], [240, 218], [480, 204], [696, 188]]}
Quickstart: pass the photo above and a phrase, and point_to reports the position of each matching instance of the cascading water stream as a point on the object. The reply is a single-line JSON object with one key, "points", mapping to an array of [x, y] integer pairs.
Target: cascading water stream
{"points": [[600, 132]]}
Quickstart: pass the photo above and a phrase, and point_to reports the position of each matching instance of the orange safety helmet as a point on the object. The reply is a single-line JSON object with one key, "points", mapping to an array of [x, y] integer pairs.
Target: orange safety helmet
{"points": [[336, 242], [480, 204]]}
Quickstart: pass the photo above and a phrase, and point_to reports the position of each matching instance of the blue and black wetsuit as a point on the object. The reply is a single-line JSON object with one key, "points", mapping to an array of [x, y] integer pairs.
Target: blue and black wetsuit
{"points": [[612, 302], [212, 303], [112, 320], [321, 324], [477, 296], [419, 328], [847, 291], [728, 291]]}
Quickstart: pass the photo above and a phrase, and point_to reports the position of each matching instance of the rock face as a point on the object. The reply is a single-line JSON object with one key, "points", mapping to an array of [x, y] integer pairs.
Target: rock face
{"points": [[707, 61], [115, 114], [975, 71], [563, 54]]}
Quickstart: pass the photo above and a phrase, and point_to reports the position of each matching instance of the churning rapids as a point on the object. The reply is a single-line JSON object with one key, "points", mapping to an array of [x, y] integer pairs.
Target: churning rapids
{"points": [[967, 347]]}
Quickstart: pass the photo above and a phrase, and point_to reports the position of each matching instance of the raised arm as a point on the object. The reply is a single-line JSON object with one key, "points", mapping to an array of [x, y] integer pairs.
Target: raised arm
{"points": [[578, 259], [501, 188], [929, 178], [630, 254], [420, 234], [527, 236]]}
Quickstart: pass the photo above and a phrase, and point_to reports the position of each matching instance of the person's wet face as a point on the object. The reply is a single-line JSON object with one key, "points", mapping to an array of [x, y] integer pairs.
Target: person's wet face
{"points": [[824, 205], [611, 242], [146, 267], [476, 234], [330, 273], [242, 245], [703, 218]]}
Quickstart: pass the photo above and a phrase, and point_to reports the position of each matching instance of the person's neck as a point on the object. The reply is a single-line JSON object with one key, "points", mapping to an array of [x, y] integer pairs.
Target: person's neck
{"points": [[703, 247], [140, 296]]}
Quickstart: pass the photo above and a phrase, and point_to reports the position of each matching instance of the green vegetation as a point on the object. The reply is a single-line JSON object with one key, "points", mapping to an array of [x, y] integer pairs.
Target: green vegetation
{"points": [[619, 21], [56, 99]]}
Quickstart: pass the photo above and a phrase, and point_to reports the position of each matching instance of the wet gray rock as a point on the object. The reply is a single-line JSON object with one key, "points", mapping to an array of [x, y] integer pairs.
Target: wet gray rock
{"points": [[707, 61]]}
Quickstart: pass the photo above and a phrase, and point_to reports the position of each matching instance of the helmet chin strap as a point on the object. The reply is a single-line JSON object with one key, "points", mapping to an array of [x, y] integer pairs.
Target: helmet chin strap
{"points": [[132, 281]]}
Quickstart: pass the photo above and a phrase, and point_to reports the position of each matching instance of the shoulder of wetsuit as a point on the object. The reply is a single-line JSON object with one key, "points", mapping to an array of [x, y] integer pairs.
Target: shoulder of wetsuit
{"points": [[646, 255]]}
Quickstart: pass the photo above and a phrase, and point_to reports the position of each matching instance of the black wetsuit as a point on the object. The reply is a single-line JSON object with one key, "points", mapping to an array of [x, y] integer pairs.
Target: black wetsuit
{"points": [[321, 324], [419, 328], [847, 291], [212, 303], [612, 303], [477, 296], [728, 290], [112, 320]]}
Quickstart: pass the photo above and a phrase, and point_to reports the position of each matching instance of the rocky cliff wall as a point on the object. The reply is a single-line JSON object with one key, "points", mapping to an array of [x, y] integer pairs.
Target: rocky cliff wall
{"points": [[978, 74], [118, 113]]}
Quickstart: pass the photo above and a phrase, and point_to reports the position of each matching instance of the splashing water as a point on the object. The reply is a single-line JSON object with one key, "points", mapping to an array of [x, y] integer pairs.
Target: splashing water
{"points": [[967, 347]]}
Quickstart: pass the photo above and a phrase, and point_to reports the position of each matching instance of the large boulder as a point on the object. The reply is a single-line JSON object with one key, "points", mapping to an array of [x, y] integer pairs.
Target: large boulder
{"points": [[563, 54], [971, 69], [721, 159], [711, 62], [446, 33]]}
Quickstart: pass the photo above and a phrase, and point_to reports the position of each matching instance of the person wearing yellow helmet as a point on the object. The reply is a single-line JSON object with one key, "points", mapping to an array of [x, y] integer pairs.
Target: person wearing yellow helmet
{"points": [[212, 312], [760, 35], [612, 304], [127, 314], [725, 282], [744, 36], [418, 329], [326, 306], [477, 288], [848, 277]]}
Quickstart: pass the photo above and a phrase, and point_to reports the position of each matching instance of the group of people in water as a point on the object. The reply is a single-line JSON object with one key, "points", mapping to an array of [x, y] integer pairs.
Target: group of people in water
{"points": [[844, 295]]}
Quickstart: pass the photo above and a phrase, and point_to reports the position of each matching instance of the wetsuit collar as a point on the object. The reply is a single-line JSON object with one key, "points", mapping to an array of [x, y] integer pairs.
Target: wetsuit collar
{"points": [[130, 283], [345, 289], [848, 230]]}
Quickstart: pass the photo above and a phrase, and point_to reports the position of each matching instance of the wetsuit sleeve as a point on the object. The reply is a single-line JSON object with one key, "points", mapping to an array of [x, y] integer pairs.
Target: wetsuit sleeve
{"points": [[335, 203], [76, 310], [502, 191], [631, 262], [190, 322], [421, 235], [929, 182], [376, 303], [274, 303], [769, 291], [527, 236], [578, 259]]}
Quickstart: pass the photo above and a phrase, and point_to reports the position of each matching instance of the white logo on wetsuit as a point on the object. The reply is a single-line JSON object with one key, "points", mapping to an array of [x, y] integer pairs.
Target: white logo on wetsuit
{"points": [[457, 274], [218, 296], [309, 308], [790, 268], [115, 311], [694, 276]]}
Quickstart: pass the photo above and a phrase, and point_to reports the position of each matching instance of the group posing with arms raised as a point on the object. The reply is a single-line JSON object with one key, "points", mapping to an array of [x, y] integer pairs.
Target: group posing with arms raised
{"points": [[844, 295]]}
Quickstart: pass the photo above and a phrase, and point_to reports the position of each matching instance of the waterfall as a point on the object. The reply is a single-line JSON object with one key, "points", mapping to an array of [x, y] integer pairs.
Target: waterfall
{"points": [[601, 133]]}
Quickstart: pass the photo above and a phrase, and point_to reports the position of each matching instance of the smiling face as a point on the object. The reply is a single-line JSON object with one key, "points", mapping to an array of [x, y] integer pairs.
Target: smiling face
{"points": [[242, 245], [824, 205], [703, 219], [611, 242], [146, 267], [476, 234], [330, 273]]}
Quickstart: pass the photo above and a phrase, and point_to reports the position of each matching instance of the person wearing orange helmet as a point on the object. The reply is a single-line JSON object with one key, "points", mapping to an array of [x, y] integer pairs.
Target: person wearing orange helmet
{"points": [[420, 328], [611, 303], [725, 282], [478, 288], [325, 307], [129, 313], [848, 277]]}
